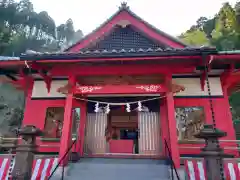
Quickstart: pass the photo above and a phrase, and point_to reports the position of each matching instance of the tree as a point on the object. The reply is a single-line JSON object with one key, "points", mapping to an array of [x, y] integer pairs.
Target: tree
{"points": [[195, 38], [201, 22], [225, 36], [208, 27], [21, 28]]}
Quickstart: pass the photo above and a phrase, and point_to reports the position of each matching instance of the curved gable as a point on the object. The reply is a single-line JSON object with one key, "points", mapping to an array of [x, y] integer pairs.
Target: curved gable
{"points": [[124, 17], [127, 38]]}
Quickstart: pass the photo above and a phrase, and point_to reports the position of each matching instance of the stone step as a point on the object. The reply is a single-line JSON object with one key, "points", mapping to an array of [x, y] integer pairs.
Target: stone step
{"points": [[118, 169]]}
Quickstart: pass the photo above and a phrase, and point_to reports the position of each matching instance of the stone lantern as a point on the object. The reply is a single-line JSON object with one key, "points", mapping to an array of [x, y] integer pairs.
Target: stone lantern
{"points": [[212, 152], [25, 152]]}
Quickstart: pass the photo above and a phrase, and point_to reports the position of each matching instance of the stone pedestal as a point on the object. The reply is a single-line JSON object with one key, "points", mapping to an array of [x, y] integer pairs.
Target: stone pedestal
{"points": [[212, 152], [25, 153]]}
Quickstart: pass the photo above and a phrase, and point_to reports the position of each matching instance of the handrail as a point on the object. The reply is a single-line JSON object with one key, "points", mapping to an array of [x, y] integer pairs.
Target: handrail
{"points": [[38, 138], [171, 160], [45, 138], [198, 147], [221, 140], [14, 145], [68, 150]]}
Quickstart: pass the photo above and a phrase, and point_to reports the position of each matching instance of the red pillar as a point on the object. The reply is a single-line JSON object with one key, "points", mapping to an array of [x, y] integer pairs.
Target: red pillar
{"points": [[66, 138], [173, 138], [29, 115], [224, 122], [164, 125], [82, 125]]}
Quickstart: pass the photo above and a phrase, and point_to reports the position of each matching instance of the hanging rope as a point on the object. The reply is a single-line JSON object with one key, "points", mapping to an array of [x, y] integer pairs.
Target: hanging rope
{"points": [[29, 72], [213, 116], [119, 104]]}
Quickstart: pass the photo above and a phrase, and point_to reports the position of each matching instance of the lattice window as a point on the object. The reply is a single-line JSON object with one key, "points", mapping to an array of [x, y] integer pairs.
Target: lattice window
{"points": [[125, 38]]}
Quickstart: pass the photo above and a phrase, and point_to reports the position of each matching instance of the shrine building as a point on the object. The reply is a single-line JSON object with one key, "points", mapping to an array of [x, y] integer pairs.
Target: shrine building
{"points": [[126, 90]]}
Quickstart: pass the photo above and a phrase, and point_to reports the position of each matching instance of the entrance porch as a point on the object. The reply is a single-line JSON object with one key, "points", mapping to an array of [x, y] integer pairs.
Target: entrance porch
{"points": [[124, 133], [119, 128]]}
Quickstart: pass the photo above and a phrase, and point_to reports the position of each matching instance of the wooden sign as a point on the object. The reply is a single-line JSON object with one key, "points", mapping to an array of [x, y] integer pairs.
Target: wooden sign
{"points": [[120, 89]]}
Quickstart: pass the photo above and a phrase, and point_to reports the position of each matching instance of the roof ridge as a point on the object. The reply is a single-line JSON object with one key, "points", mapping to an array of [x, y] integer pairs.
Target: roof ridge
{"points": [[156, 29], [132, 50]]}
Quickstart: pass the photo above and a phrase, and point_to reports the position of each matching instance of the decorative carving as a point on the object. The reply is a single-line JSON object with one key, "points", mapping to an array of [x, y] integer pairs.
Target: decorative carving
{"points": [[176, 88], [65, 89], [150, 88], [124, 5], [124, 23], [87, 89]]}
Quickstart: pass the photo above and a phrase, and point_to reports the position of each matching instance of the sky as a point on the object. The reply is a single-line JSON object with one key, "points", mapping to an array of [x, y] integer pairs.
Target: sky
{"points": [[171, 16]]}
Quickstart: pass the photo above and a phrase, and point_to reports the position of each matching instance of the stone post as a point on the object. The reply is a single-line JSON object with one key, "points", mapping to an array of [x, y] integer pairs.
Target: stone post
{"points": [[212, 152], [25, 153]]}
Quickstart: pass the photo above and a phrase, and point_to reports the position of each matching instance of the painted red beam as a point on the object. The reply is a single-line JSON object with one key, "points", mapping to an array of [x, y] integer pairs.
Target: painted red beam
{"points": [[44, 61], [226, 56], [157, 58], [104, 59], [233, 81], [215, 57], [124, 89], [230, 79], [12, 63], [119, 70], [226, 75], [203, 75], [203, 80]]}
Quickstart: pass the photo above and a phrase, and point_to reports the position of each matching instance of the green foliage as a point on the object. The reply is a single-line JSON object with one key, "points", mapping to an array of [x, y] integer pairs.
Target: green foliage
{"points": [[22, 28], [235, 103], [195, 37]]}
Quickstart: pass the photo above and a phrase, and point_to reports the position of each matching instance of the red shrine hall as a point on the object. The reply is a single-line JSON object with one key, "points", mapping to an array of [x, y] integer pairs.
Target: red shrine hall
{"points": [[124, 90]]}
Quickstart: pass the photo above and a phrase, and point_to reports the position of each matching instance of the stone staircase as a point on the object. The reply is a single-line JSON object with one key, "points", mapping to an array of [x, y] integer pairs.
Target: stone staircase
{"points": [[117, 169]]}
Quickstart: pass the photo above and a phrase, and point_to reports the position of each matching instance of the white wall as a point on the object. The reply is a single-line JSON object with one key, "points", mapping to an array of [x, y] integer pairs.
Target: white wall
{"points": [[192, 88], [40, 90]]}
